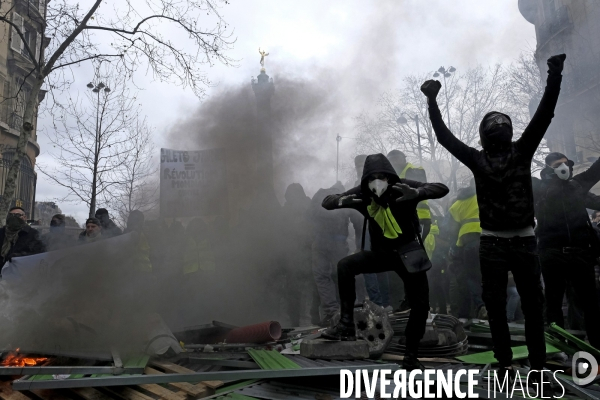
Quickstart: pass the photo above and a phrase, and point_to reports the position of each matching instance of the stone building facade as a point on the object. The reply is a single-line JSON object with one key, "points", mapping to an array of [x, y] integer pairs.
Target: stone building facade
{"points": [[15, 72], [571, 27]]}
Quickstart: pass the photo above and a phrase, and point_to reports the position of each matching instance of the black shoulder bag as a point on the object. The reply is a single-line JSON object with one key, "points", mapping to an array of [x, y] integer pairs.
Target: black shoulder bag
{"points": [[412, 254]]}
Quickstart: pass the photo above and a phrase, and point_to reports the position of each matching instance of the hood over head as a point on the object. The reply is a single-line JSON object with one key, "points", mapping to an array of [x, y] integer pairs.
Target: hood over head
{"points": [[377, 164], [135, 220], [495, 130], [295, 193]]}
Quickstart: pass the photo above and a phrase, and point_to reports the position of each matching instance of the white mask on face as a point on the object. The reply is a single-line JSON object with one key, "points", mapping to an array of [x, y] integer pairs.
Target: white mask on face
{"points": [[378, 186], [563, 171]]}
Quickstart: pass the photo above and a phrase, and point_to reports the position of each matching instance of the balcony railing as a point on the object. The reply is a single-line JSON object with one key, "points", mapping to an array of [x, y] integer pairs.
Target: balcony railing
{"points": [[15, 121]]}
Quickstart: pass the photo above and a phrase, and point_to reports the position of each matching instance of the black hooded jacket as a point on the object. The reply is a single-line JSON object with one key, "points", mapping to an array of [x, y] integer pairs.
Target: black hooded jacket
{"points": [[28, 243], [503, 173], [404, 212], [560, 208]]}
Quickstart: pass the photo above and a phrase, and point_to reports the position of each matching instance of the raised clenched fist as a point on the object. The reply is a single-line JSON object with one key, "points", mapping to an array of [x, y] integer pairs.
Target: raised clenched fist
{"points": [[431, 88], [556, 63]]}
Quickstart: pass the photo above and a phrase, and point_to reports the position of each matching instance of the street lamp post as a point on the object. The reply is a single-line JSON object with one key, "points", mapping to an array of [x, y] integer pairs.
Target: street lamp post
{"points": [[446, 74], [403, 120], [96, 89], [338, 139]]}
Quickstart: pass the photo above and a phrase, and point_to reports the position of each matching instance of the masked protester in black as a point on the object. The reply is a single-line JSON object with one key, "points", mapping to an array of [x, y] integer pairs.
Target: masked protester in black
{"points": [[566, 239], [390, 204], [57, 237], [109, 228], [502, 172], [17, 239]]}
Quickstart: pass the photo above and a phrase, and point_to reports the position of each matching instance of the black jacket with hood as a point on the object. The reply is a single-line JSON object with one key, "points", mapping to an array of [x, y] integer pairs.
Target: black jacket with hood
{"points": [[28, 243], [404, 212], [502, 170], [560, 207]]}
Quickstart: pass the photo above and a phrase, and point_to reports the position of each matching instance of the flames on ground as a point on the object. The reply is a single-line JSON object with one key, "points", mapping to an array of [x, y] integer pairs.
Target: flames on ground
{"points": [[14, 359]]}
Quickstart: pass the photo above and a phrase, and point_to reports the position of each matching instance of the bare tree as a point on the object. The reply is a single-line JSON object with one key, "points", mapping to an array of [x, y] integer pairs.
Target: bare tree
{"points": [[129, 34], [137, 187], [515, 90], [524, 89], [91, 140], [470, 95]]}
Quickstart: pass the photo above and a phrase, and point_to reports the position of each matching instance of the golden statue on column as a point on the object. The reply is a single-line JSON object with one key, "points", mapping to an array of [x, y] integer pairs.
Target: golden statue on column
{"points": [[263, 54]]}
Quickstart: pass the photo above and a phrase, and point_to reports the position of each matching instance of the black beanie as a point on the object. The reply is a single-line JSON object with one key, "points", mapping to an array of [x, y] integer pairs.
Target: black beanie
{"points": [[550, 158]]}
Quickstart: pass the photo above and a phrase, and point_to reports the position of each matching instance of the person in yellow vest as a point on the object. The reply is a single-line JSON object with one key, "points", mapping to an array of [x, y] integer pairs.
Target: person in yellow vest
{"points": [[436, 247], [198, 255], [464, 225], [406, 170], [135, 223]]}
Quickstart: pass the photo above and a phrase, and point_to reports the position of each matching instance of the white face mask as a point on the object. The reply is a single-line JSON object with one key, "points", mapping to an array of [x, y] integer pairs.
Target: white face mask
{"points": [[378, 186], [563, 171]]}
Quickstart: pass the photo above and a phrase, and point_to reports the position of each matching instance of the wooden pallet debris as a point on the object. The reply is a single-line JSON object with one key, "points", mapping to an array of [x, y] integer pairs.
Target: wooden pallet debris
{"points": [[195, 391], [178, 369]]}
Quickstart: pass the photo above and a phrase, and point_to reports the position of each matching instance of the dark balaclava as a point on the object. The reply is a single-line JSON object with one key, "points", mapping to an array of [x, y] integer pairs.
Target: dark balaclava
{"points": [[563, 171], [495, 130], [14, 223], [135, 221], [57, 223]]}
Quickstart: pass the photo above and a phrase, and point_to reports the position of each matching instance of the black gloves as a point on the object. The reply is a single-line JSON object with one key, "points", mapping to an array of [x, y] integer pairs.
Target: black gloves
{"points": [[346, 201], [408, 193], [431, 88], [555, 64]]}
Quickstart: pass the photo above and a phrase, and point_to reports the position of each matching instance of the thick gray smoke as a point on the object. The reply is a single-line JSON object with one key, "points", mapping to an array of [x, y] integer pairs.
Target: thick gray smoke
{"points": [[307, 112], [88, 298]]}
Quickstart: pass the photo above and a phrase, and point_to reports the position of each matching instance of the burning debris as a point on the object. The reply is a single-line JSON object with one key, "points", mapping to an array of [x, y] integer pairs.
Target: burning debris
{"points": [[15, 359]]}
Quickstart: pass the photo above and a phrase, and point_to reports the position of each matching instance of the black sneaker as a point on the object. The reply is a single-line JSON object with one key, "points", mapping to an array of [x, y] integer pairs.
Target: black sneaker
{"points": [[330, 320], [411, 362], [404, 306], [340, 332]]}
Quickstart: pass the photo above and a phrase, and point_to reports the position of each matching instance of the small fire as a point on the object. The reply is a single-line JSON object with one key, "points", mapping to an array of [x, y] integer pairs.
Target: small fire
{"points": [[13, 359]]}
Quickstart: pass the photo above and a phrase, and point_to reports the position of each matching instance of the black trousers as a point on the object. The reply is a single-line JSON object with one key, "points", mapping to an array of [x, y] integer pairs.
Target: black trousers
{"points": [[416, 285], [518, 255], [469, 280], [559, 270]]}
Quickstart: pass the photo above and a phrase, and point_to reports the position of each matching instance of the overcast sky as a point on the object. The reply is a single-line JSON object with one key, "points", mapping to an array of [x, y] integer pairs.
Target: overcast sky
{"points": [[373, 46]]}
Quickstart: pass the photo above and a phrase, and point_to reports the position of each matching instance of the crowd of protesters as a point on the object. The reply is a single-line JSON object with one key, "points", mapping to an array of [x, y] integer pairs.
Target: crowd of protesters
{"points": [[327, 254]]}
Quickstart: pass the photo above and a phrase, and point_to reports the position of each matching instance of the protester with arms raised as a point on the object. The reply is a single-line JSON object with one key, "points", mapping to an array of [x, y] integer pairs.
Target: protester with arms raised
{"points": [[502, 171]]}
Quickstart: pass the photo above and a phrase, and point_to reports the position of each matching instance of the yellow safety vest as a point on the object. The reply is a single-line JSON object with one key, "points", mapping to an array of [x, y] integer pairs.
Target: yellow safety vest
{"points": [[466, 213], [198, 256], [141, 261], [429, 242], [423, 210]]}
